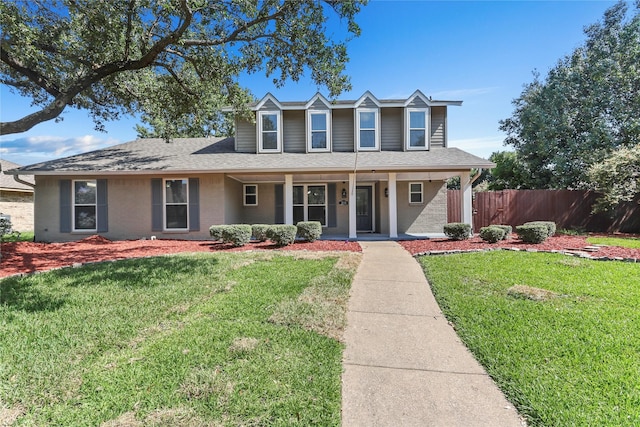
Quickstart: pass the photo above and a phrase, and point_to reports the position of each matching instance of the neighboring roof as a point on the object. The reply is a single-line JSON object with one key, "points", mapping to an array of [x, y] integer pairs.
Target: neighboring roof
{"points": [[203, 155], [8, 183]]}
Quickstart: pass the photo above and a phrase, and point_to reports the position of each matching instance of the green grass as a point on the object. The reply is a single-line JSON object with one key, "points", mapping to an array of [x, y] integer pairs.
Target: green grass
{"points": [[569, 359], [624, 242], [182, 340]]}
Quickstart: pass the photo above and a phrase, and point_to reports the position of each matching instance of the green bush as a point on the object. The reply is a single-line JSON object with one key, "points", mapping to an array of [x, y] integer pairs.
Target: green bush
{"points": [[259, 232], [532, 233], [282, 235], [216, 231], [507, 230], [237, 234], [551, 226], [457, 230], [309, 230], [492, 233]]}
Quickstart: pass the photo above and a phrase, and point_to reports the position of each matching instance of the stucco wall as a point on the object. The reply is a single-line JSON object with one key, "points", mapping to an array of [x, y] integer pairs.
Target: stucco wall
{"points": [[19, 205]]}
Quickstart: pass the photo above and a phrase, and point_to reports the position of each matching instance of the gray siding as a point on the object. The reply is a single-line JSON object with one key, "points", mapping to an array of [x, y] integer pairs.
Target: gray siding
{"points": [[417, 103], [342, 130], [245, 137], [438, 126], [293, 131], [368, 103], [318, 105], [269, 106], [391, 132]]}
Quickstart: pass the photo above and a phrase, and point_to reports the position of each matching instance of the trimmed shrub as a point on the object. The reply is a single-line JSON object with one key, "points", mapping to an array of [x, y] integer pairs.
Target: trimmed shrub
{"points": [[551, 226], [216, 231], [457, 230], [492, 233], [237, 234], [507, 230], [282, 235], [259, 232], [536, 233], [309, 230]]}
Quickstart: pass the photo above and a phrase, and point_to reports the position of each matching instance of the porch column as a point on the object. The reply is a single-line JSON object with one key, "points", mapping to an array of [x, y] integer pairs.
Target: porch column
{"points": [[288, 199], [393, 206], [352, 206], [466, 199]]}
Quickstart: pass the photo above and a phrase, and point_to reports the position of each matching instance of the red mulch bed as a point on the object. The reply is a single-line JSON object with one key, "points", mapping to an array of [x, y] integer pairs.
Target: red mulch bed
{"points": [[555, 243], [27, 257]]}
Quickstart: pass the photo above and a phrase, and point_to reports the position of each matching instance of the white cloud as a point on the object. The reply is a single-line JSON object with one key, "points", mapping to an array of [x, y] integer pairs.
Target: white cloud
{"points": [[35, 149]]}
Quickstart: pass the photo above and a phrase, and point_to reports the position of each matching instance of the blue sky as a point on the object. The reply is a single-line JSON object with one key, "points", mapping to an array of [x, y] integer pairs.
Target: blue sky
{"points": [[480, 52]]}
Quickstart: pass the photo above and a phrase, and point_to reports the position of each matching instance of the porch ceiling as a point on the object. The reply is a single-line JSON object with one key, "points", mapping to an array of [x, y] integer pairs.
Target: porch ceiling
{"points": [[337, 177]]}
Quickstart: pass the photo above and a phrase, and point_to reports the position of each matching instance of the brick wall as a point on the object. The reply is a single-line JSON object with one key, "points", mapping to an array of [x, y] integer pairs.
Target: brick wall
{"points": [[19, 205]]}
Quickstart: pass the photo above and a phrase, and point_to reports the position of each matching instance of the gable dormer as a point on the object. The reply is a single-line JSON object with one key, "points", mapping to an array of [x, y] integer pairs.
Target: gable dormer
{"points": [[417, 119], [367, 123], [269, 125], [318, 124]]}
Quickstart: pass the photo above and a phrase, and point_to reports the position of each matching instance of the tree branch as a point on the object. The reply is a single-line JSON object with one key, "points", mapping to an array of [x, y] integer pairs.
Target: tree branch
{"points": [[32, 75]]}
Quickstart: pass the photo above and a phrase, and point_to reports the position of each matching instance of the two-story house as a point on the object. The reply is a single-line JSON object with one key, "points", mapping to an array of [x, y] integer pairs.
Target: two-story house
{"points": [[362, 166]]}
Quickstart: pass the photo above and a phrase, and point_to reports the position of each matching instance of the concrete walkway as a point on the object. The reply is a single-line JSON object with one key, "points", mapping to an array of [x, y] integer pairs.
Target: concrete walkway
{"points": [[403, 363]]}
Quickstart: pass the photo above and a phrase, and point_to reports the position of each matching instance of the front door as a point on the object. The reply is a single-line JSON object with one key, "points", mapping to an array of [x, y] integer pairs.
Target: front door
{"points": [[364, 208]]}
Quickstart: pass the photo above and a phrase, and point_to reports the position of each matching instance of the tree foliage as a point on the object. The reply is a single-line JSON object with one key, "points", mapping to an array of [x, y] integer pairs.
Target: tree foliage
{"points": [[174, 61], [587, 106], [510, 172], [617, 177]]}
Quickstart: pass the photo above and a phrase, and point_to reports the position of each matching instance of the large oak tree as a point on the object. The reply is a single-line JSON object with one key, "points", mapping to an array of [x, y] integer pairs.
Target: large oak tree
{"points": [[174, 62], [586, 108]]}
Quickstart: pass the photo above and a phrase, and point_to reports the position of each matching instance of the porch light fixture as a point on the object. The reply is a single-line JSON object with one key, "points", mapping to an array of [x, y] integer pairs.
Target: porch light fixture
{"points": [[386, 192], [344, 193]]}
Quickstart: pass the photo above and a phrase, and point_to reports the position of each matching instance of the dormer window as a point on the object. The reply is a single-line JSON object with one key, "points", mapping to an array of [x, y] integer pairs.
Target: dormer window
{"points": [[318, 131], [269, 131], [368, 133], [417, 124]]}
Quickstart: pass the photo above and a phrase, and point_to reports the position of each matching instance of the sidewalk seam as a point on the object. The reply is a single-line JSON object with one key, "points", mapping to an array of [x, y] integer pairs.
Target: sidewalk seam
{"points": [[396, 368]]}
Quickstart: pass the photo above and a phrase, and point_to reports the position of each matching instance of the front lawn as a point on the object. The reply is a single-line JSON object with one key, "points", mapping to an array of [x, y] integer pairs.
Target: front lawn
{"points": [[559, 335], [623, 242], [201, 339]]}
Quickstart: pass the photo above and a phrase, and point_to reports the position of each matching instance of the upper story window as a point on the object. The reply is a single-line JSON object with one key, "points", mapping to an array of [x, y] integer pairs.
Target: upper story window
{"points": [[176, 204], [416, 129], [269, 131], [368, 133], [85, 205], [318, 130]]}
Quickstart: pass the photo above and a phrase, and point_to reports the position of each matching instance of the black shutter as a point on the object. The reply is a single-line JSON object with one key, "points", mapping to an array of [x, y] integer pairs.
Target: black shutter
{"points": [[156, 204], [279, 214], [65, 206], [194, 204], [103, 217], [332, 220]]}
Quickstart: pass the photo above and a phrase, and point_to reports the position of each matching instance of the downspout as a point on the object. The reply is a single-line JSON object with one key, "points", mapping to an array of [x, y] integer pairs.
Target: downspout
{"points": [[21, 181]]}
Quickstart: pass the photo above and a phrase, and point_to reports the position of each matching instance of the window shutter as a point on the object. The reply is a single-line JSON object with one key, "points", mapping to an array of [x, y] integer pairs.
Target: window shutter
{"points": [[279, 214], [65, 206], [194, 204], [156, 204], [103, 218], [332, 220]]}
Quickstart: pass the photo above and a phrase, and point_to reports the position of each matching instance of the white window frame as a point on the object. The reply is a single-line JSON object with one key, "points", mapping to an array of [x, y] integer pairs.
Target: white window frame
{"points": [[421, 192], [245, 194], [310, 131], [164, 204], [74, 205], [376, 128], [278, 131], [408, 129], [305, 189]]}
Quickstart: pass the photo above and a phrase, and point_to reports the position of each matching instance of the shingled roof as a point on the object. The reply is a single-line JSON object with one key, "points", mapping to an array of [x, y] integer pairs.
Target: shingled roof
{"points": [[205, 155], [8, 183]]}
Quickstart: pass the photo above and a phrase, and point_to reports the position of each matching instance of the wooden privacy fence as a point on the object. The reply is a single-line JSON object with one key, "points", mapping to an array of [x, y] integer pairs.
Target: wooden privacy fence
{"points": [[569, 209]]}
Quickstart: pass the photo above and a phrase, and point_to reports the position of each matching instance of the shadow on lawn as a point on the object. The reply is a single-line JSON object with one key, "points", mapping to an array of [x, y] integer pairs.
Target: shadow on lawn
{"points": [[26, 293]]}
